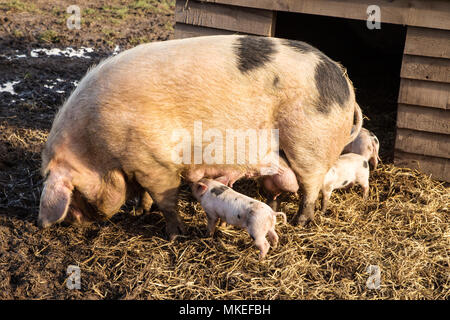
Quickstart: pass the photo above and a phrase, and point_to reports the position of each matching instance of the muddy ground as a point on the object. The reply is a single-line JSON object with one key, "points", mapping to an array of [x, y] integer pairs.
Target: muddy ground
{"points": [[403, 228]]}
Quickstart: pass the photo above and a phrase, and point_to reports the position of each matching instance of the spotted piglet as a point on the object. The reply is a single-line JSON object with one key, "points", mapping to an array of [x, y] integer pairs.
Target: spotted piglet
{"points": [[220, 201], [349, 169], [367, 145]]}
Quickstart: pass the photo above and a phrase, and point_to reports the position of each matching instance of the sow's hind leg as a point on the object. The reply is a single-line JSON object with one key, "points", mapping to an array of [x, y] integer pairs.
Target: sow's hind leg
{"points": [[311, 150], [310, 160], [162, 185], [310, 185]]}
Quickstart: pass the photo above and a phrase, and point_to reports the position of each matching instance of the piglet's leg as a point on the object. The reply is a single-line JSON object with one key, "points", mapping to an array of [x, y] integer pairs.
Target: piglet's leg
{"points": [[273, 237], [263, 246], [268, 189], [374, 162], [363, 181], [365, 188], [326, 194], [274, 203], [212, 222]]}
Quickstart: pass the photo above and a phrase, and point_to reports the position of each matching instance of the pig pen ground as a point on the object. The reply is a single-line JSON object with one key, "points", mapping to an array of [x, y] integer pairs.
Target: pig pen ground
{"points": [[403, 228]]}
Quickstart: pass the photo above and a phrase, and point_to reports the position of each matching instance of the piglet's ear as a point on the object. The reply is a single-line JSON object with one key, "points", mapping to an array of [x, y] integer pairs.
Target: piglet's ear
{"points": [[201, 188], [223, 179], [55, 200]]}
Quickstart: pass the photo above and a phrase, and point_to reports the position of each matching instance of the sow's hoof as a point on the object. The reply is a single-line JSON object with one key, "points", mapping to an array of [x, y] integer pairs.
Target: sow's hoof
{"points": [[175, 229], [301, 220]]}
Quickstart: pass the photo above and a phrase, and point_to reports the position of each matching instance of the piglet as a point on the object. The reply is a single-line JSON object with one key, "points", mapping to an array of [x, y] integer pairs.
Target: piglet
{"points": [[220, 201], [367, 145], [349, 169], [283, 180]]}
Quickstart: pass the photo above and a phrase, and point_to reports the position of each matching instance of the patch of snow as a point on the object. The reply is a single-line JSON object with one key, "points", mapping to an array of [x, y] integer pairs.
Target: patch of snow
{"points": [[116, 50], [6, 57], [18, 56], [68, 52], [8, 87]]}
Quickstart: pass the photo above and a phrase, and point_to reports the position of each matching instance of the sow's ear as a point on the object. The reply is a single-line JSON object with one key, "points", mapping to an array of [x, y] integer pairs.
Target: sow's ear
{"points": [[55, 200]]}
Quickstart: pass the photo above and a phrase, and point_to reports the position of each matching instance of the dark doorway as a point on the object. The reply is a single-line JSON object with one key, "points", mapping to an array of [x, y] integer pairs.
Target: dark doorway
{"points": [[373, 60]]}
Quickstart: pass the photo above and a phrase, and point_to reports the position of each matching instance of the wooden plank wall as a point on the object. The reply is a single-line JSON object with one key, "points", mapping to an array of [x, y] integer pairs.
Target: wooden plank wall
{"points": [[423, 118], [195, 18], [422, 13]]}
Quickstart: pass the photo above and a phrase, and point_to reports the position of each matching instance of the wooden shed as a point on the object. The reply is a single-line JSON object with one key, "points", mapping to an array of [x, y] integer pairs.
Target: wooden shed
{"points": [[423, 116]]}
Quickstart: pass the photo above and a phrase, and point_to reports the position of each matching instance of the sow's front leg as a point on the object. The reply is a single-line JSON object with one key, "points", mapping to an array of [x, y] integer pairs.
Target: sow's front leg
{"points": [[144, 200], [162, 185]]}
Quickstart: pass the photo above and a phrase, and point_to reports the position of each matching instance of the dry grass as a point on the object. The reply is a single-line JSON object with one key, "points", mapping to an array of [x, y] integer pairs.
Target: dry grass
{"points": [[403, 228]]}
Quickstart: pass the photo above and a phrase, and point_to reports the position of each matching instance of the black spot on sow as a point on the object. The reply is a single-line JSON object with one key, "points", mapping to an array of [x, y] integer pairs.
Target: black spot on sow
{"points": [[365, 164], [253, 52], [331, 84], [329, 77]]}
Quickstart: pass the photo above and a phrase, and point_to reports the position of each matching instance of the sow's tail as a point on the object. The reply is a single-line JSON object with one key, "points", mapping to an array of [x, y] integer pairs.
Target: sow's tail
{"points": [[280, 214], [358, 125]]}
